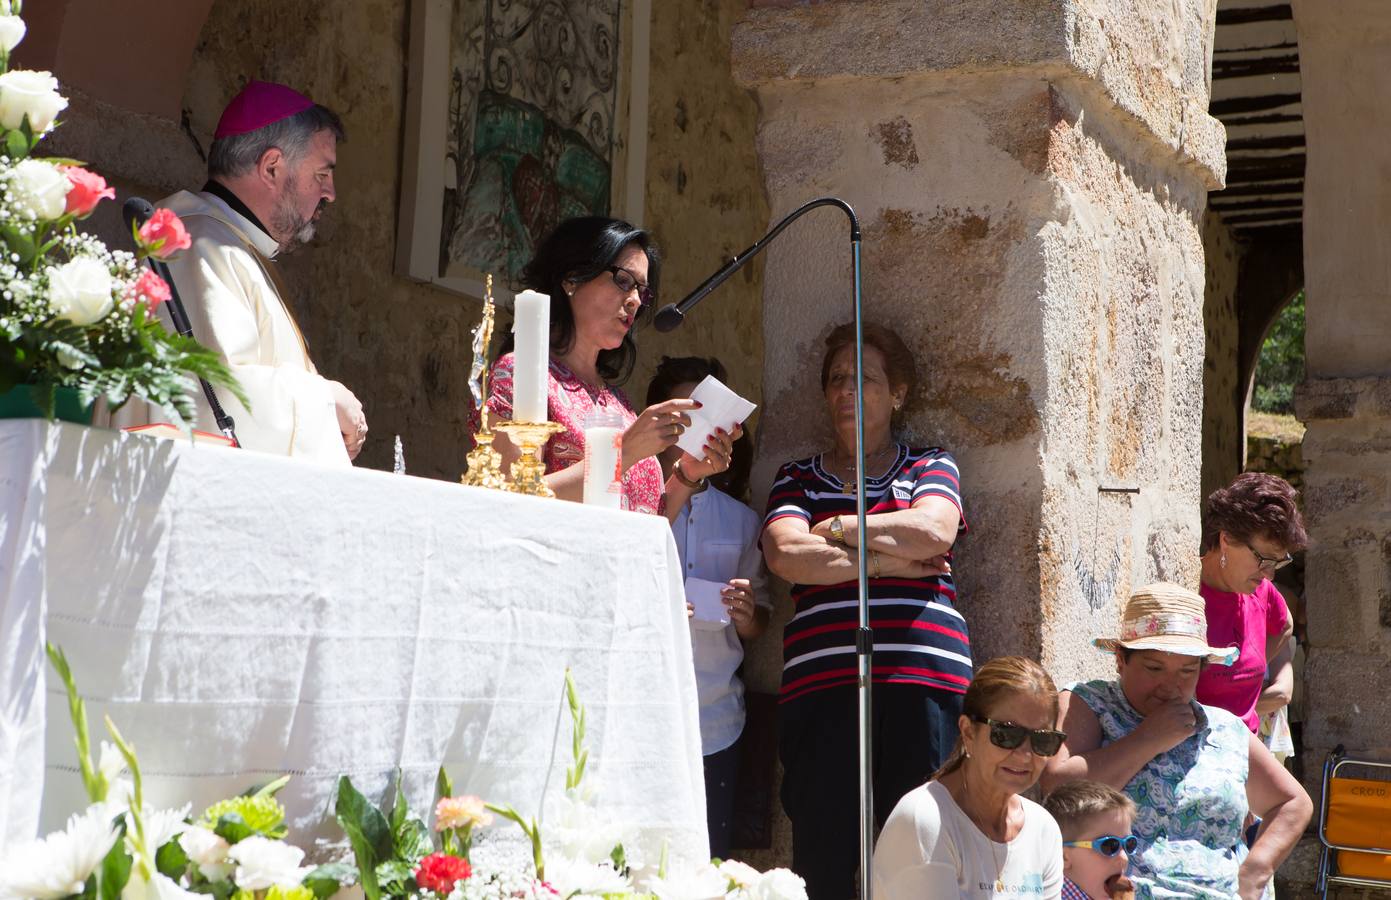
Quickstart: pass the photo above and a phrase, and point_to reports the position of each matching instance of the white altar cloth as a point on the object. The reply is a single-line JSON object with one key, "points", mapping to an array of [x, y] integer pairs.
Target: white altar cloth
{"points": [[240, 616]]}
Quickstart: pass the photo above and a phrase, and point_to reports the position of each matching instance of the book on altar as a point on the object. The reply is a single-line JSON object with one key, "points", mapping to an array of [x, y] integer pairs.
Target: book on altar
{"points": [[719, 408], [172, 432]]}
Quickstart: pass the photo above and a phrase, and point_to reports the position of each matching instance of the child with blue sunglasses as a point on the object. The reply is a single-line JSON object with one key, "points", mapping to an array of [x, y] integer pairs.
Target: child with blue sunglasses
{"points": [[1095, 821]]}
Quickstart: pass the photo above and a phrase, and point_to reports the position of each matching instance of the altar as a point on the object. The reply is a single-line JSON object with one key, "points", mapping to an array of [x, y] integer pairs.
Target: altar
{"points": [[242, 616]]}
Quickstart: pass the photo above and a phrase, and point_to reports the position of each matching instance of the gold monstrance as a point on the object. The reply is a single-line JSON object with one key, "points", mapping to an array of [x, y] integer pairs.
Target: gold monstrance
{"points": [[484, 463]]}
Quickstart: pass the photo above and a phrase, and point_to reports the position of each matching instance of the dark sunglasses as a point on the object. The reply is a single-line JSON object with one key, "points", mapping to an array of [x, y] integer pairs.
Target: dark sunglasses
{"points": [[1008, 736], [627, 282], [1109, 845]]}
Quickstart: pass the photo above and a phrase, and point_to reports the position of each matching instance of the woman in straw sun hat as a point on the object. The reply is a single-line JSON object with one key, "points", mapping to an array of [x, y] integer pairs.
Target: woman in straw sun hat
{"points": [[1193, 771]]}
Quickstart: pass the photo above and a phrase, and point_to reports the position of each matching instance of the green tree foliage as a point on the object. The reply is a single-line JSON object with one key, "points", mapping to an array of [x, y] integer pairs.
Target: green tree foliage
{"points": [[1281, 364]]}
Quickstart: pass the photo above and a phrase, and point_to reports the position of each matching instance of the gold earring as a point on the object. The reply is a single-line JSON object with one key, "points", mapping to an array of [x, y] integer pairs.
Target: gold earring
{"points": [[1222, 561]]}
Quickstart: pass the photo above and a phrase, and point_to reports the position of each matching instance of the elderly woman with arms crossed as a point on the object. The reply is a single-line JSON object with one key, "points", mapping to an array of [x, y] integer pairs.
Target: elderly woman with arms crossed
{"points": [[1194, 771], [922, 661]]}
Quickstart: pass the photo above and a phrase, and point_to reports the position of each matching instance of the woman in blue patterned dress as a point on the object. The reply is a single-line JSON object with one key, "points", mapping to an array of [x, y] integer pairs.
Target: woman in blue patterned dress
{"points": [[1193, 771]]}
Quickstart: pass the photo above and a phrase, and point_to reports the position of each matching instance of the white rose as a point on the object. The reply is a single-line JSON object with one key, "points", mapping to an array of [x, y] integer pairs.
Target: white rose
{"points": [[779, 884], [34, 94], [11, 31], [263, 863], [208, 851], [80, 290], [40, 188], [742, 874]]}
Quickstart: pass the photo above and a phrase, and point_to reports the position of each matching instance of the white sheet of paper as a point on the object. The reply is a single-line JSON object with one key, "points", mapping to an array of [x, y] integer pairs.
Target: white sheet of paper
{"points": [[710, 611], [719, 408]]}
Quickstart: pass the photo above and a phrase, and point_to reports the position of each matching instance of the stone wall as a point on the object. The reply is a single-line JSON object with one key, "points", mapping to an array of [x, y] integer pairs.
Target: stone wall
{"points": [[1031, 203], [1346, 400], [1224, 396]]}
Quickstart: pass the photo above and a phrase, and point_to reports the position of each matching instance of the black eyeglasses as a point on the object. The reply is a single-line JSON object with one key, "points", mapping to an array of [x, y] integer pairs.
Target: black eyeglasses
{"points": [[627, 282], [1109, 845], [1271, 563], [1008, 736]]}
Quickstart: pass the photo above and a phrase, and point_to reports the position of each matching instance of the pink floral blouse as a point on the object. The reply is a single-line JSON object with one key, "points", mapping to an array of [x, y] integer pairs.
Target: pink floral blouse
{"points": [[569, 400]]}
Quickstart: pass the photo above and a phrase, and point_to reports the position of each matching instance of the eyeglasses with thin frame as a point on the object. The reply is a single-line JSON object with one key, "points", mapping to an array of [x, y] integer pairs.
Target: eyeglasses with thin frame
{"points": [[1109, 845], [627, 282], [1008, 736], [1270, 563]]}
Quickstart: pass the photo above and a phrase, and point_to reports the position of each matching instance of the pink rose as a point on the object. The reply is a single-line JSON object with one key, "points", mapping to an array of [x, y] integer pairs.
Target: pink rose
{"points": [[149, 289], [163, 235], [88, 189]]}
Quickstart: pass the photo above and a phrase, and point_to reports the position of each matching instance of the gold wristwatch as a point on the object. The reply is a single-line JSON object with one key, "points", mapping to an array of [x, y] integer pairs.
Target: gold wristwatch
{"points": [[838, 530]]}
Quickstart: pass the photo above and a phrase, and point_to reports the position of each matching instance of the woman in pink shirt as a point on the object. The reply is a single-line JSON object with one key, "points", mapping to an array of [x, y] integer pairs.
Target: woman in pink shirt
{"points": [[1250, 528]]}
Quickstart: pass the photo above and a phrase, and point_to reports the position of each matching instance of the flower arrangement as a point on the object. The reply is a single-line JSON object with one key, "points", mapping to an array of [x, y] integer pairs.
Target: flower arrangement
{"points": [[120, 848], [74, 313], [582, 854], [236, 849]]}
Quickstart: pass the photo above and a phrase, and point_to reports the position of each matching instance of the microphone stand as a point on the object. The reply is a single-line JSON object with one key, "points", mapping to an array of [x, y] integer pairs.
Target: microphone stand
{"points": [[137, 211], [671, 316]]}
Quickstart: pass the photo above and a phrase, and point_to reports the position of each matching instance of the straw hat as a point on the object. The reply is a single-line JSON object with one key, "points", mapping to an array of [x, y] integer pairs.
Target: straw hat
{"points": [[1163, 616]]}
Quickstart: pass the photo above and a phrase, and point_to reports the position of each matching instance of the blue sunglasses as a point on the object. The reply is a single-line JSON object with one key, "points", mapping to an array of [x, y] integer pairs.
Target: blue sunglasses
{"points": [[1109, 845]]}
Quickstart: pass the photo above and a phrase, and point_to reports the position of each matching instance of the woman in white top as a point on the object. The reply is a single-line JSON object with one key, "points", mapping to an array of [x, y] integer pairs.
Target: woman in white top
{"points": [[717, 540], [968, 832]]}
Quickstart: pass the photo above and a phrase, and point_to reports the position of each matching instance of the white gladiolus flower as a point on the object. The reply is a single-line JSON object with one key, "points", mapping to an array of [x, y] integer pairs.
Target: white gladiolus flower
{"points": [[742, 874], [576, 829], [80, 290], [263, 863], [40, 188], [34, 94], [208, 851], [570, 876], [779, 884], [162, 826], [59, 864], [160, 888], [110, 763], [11, 32], [685, 882]]}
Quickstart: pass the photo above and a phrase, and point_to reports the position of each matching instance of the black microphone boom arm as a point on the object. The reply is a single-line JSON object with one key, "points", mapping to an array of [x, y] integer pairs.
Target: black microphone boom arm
{"points": [[672, 315]]}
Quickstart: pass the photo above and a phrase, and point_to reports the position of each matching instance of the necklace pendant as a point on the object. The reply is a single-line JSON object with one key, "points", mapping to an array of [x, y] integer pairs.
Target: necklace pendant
{"points": [[999, 886]]}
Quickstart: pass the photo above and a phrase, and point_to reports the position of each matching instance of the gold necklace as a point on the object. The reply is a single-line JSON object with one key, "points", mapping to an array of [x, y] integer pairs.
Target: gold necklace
{"points": [[873, 461], [994, 858]]}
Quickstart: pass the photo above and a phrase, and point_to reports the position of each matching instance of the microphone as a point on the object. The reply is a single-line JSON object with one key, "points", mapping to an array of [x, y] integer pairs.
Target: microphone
{"points": [[136, 212], [673, 314]]}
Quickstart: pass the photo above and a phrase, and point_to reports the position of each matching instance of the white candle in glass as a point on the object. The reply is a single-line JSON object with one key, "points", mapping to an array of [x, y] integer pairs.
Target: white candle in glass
{"points": [[531, 328]]}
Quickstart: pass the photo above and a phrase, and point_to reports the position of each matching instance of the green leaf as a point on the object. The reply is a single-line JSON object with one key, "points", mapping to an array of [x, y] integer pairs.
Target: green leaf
{"points": [[270, 789], [413, 840], [327, 880], [368, 833], [444, 787], [16, 144], [114, 872], [19, 242], [231, 827], [398, 807], [171, 859], [396, 877]]}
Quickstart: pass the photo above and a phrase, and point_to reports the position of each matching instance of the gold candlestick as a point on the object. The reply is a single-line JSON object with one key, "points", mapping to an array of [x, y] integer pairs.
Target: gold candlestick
{"points": [[483, 462], [528, 472]]}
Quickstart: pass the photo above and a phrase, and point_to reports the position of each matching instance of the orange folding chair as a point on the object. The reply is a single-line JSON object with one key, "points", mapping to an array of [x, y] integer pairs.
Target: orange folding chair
{"points": [[1355, 822]]}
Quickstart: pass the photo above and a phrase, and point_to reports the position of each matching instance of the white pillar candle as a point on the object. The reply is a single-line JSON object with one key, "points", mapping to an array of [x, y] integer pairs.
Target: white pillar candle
{"points": [[531, 328], [603, 475]]}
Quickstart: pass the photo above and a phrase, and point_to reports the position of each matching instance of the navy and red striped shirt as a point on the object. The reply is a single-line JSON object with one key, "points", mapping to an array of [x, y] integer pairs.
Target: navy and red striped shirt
{"points": [[919, 637]]}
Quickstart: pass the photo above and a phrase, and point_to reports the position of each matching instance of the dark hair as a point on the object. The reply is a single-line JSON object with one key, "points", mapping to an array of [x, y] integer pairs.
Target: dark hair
{"points": [[899, 364], [1127, 652], [992, 684], [674, 370], [1256, 504], [581, 249], [1072, 804], [239, 153]]}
